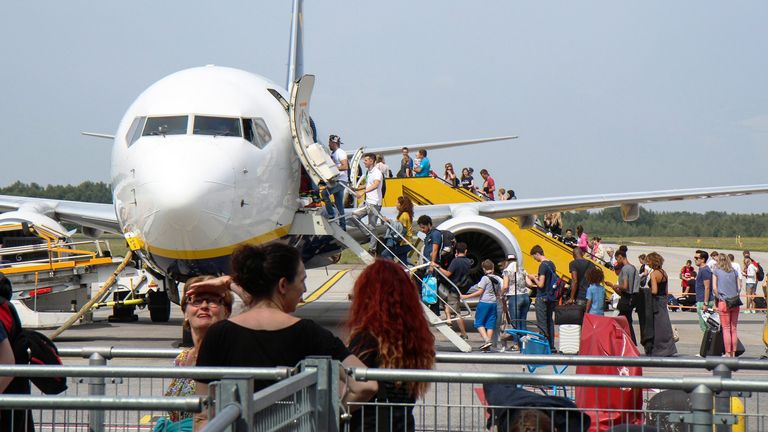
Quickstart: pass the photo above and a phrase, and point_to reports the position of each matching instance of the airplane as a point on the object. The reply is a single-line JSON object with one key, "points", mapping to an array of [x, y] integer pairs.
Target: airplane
{"points": [[211, 157]]}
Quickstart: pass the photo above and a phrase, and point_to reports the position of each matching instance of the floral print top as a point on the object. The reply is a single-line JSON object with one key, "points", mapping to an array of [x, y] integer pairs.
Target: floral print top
{"points": [[180, 387]]}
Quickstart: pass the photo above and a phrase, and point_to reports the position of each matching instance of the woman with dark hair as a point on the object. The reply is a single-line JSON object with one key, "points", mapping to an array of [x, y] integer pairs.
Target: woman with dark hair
{"points": [[387, 329], [450, 175], [467, 181], [663, 337], [583, 239], [267, 335], [399, 246]]}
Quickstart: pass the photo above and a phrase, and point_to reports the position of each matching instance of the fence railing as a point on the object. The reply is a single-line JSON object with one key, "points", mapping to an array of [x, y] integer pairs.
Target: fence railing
{"points": [[308, 396]]}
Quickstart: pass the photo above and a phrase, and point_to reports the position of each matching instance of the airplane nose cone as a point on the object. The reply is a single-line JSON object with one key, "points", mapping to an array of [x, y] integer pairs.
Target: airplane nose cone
{"points": [[187, 200]]}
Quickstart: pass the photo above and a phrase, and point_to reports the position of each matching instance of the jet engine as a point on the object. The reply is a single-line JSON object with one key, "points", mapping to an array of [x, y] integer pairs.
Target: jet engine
{"points": [[485, 239], [93, 233], [27, 228]]}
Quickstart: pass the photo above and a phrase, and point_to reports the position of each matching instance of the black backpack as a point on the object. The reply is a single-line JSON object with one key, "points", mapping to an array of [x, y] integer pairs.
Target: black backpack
{"points": [[448, 246], [34, 348], [760, 272]]}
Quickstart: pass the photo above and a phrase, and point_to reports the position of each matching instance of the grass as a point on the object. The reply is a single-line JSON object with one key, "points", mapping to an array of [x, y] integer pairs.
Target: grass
{"points": [[759, 244]]}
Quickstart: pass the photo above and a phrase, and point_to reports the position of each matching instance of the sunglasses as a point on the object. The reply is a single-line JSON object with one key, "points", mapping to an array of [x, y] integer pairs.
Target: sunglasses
{"points": [[198, 301]]}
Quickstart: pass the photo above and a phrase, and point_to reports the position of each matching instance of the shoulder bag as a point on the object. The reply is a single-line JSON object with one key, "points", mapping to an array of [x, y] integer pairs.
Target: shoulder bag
{"points": [[732, 302]]}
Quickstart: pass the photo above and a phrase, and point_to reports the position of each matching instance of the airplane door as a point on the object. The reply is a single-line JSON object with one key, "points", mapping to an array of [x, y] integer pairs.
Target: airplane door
{"points": [[312, 155], [354, 171]]}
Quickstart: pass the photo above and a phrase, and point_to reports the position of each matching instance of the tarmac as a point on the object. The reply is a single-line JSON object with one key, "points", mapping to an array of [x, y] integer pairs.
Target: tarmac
{"points": [[327, 303]]}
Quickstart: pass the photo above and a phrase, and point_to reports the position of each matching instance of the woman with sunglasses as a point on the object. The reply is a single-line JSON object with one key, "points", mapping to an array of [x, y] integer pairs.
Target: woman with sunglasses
{"points": [[200, 312], [450, 175]]}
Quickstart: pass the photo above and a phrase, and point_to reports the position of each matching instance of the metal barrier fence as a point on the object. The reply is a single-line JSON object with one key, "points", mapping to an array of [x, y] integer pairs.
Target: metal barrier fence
{"points": [[110, 398], [307, 397]]}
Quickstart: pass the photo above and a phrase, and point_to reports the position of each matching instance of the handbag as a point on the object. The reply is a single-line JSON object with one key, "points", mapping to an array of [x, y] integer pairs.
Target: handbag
{"points": [[732, 302], [569, 314], [429, 289]]}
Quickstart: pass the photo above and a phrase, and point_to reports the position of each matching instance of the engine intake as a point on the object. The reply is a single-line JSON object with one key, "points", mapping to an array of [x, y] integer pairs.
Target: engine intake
{"points": [[485, 239]]}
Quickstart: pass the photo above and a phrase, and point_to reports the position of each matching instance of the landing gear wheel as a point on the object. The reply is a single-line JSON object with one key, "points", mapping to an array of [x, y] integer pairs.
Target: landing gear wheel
{"points": [[159, 306]]}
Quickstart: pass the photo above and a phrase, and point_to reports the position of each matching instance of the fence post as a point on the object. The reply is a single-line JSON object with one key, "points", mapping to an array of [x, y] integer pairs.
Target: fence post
{"points": [[326, 397], [233, 391], [701, 404], [722, 398], [96, 387]]}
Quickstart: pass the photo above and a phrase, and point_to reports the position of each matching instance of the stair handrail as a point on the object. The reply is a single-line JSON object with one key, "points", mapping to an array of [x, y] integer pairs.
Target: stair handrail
{"points": [[411, 269]]}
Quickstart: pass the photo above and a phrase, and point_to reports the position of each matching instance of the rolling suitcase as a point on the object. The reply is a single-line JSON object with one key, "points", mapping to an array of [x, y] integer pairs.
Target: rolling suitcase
{"points": [[760, 302], [712, 342]]}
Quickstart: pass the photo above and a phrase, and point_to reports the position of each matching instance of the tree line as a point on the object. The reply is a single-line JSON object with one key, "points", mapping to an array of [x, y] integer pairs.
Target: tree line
{"points": [[88, 191], [608, 223], [605, 223]]}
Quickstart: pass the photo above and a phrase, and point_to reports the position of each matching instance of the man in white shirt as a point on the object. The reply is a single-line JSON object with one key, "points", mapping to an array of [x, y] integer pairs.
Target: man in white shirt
{"points": [[339, 157], [373, 198]]}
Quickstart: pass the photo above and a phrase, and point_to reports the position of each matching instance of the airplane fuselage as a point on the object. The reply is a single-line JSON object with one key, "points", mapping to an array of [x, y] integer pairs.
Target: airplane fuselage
{"points": [[202, 162]]}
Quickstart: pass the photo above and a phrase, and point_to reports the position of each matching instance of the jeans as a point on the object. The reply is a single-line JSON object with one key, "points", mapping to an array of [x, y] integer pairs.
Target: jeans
{"points": [[371, 211], [518, 311], [729, 318], [400, 251], [627, 303], [335, 208], [545, 311]]}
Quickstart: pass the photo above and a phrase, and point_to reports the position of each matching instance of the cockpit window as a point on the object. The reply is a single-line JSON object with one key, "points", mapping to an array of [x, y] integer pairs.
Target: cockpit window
{"points": [[217, 126], [256, 131], [134, 132], [174, 125]]}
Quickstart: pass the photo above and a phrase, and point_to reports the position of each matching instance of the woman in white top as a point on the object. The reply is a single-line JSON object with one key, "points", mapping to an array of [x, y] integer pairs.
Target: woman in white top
{"points": [[750, 284], [517, 292]]}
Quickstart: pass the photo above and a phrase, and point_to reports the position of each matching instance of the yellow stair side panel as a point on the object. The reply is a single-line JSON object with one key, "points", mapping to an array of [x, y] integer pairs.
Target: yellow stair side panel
{"points": [[427, 190]]}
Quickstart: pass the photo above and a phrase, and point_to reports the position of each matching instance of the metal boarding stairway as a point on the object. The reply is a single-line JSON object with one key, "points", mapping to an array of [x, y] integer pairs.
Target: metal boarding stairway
{"points": [[310, 221]]}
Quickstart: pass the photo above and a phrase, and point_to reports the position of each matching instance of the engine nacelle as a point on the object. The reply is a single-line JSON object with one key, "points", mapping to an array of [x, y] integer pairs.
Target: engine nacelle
{"points": [[34, 219], [485, 238], [93, 233]]}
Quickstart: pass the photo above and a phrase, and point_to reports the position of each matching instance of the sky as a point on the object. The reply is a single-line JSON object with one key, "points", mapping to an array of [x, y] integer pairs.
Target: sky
{"points": [[605, 96]]}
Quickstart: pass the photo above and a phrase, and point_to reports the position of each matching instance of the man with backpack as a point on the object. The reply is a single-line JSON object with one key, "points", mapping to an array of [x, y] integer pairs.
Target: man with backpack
{"points": [[11, 420], [543, 282], [433, 239], [458, 273]]}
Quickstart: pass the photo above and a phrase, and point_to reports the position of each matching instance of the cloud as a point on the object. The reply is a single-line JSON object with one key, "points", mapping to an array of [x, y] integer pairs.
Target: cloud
{"points": [[757, 123]]}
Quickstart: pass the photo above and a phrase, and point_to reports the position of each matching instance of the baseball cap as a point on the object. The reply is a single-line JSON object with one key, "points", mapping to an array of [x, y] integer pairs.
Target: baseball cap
{"points": [[335, 139]]}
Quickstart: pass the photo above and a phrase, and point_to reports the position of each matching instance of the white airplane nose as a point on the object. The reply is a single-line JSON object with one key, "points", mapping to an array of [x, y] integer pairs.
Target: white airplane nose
{"points": [[188, 202]]}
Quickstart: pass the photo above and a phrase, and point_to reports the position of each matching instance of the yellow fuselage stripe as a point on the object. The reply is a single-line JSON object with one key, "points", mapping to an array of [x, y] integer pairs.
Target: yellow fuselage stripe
{"points": [[325, 287], [218, 252]]}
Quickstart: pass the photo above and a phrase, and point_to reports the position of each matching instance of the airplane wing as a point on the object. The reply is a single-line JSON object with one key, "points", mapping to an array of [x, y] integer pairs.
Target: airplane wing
{"points": [[628, 201], [388, 151], [93, 215]]}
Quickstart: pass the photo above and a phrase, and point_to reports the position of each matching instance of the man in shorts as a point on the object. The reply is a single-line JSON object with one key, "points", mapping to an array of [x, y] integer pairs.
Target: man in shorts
{"points": [[458, 273], [489, 290]]}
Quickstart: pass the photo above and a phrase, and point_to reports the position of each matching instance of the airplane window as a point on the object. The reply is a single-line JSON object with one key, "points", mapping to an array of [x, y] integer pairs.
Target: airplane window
{"points": [[175, 125], [262, 132], [256, 131], [217, 126], [134, 132]]}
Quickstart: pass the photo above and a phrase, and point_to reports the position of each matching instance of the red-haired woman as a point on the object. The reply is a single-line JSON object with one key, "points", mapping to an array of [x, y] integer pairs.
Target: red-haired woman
{"points": [[388, 329]]}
